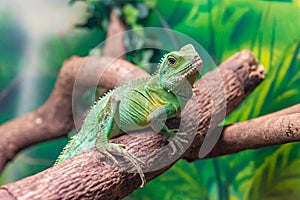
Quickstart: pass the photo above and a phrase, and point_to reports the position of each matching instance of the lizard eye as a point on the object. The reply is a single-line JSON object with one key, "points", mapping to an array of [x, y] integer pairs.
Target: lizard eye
{"points": [[171, 60]]}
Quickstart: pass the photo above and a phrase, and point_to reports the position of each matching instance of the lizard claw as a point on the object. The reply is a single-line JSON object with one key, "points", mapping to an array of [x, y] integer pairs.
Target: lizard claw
{"points": [[177, 141], [110, 156]]}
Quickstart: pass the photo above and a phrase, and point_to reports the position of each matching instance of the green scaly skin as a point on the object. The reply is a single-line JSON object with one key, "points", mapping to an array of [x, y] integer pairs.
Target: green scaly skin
{"points": [[137, 105]]}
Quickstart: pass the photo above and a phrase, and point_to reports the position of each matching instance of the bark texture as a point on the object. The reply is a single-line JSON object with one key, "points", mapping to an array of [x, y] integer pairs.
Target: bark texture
{"points": [[90, 176], [276, 128]]}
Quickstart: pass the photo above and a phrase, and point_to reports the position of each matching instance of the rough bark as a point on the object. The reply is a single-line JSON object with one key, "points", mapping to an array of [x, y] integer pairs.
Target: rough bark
{"points": [[272, 129], [90, 176]]}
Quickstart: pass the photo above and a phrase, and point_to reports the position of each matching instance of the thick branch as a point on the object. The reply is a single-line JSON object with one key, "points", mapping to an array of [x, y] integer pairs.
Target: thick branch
{"points": [[85, 177]]}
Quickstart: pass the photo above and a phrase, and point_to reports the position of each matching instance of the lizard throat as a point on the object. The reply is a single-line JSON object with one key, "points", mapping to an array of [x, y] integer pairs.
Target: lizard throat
{"points": [[191, 73]]}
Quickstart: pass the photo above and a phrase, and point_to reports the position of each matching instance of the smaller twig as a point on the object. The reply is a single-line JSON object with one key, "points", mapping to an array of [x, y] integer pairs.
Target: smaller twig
{"points": [[10, 87]]}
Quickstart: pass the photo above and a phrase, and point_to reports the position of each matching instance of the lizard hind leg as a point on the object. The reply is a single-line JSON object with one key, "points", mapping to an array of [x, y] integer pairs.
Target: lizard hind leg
{"points": [[119, 149]]}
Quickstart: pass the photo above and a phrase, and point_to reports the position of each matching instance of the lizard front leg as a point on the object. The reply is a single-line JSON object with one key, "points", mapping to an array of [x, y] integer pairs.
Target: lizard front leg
{"points": [[156, 120], [109, 114]]}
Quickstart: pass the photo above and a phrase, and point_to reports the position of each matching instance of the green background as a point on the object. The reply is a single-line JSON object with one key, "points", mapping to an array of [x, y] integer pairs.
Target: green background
{"points": [[270, 29]]}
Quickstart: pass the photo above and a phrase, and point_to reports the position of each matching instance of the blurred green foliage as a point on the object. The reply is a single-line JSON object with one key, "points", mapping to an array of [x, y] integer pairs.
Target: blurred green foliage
{"points": [[12, 46], [268, 28], [76, 42], [131, 12], [12, 42], [277, 177]]}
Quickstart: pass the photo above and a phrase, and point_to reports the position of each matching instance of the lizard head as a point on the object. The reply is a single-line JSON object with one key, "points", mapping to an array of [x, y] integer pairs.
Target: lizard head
{"points": [[178, 67]]}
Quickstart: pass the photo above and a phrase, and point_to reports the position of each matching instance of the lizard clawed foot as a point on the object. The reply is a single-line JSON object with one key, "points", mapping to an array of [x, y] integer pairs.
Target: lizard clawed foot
{"points": [[177, 141], [111, 148]]}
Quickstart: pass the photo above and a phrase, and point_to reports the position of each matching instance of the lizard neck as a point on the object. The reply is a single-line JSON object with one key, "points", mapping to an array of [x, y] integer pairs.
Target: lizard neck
{"points": [[182, 91]]}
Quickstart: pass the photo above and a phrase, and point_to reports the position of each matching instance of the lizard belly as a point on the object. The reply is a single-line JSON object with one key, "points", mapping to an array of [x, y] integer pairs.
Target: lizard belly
{"points": [[134, 113]]}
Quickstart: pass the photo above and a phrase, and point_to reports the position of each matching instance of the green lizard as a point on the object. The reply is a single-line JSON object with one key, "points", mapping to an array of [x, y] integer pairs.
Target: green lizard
{"points": [[137, 105]]}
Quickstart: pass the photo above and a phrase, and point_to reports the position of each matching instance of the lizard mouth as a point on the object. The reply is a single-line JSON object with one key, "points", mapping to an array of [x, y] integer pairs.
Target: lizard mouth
{"points": [[192, 70]]}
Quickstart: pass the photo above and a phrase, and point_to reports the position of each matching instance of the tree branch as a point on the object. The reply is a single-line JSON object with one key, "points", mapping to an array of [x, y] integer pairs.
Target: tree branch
{"points": [[85, 177], [272, 129]]}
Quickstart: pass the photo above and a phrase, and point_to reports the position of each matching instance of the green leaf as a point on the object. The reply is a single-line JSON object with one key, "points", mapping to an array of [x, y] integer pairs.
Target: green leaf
{"points": [[131, 14], [277, 177], [181, 182], [151, 3]]}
